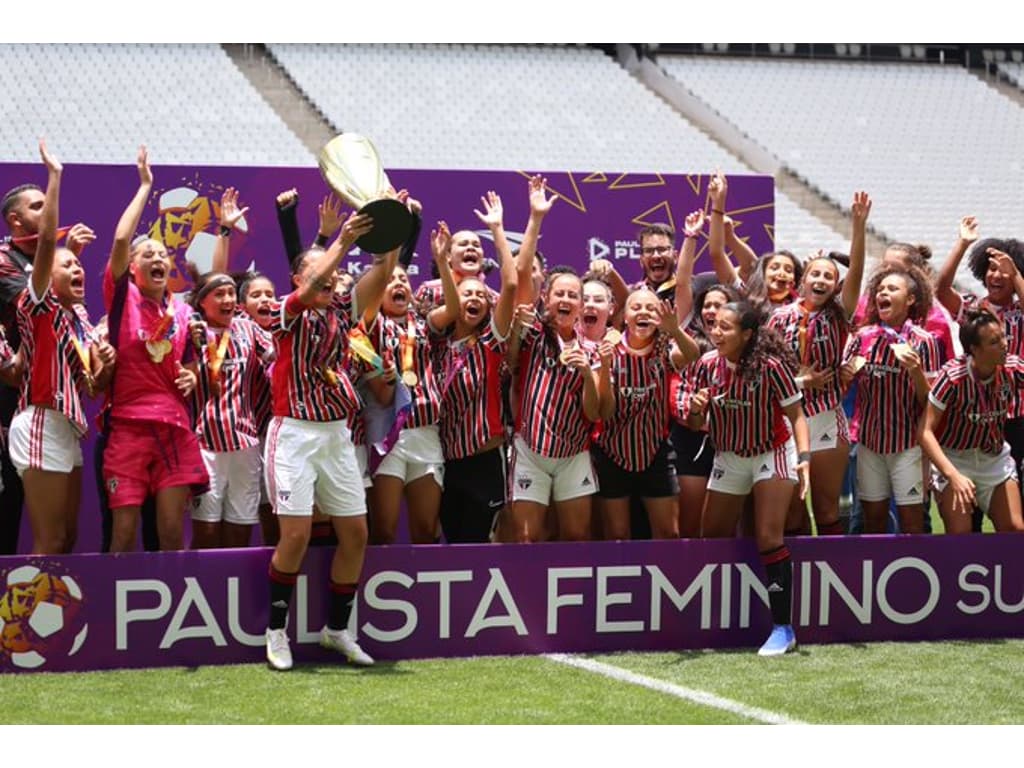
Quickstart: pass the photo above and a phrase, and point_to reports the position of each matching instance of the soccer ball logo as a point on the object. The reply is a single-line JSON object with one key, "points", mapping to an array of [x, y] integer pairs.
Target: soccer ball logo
{"points": [[37, 617]]}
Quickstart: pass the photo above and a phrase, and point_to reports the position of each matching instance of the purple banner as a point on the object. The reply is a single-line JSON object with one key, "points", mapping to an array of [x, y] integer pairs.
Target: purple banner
{"points": [[597, 216], [85, 612]]}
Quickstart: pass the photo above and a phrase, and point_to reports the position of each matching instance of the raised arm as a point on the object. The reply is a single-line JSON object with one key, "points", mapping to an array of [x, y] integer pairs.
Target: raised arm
{"points": [[540, 205], [329, 219], [746, 259], [493, 217], [686, 350], [370, 287], [42, 265], [287, 219], [718, 189], [409, 246], [1005, 263], [440, 244], [230, 215], [355, 226], [684, 265], [967, 233], [860, 210], [120, 252]]}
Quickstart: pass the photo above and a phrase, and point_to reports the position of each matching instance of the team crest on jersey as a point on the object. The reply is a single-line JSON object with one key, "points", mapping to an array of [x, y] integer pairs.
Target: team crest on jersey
{"points": [[112, 485], [524, 482], [717, 473], [284, 495]]}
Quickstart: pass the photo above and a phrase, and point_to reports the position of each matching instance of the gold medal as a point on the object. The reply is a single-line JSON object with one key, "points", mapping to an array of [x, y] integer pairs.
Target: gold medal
{"points": [[613, 337], [86, 358], [329, 375], [158, 350], [216, 354], [410, 378]]}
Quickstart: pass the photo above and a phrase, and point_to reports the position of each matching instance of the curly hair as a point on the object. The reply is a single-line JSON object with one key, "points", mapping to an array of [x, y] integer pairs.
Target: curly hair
{"points": [[915, 255], [757, 286], [918, 285], [978, 258], [764, 343]]}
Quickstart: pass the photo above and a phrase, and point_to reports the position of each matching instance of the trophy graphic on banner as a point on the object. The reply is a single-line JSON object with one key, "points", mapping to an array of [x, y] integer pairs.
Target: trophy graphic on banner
{"points": [[351, 167]]}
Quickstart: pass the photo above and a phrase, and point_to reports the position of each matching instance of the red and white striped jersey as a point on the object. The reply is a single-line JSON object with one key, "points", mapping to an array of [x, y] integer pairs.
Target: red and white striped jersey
{"points": [[471, 403], [640, 424], [227, 421], [1012, 317], [55, 372], [392, 334], [309, 381], [974, 410], [887, 405], [551, 420], [818, 339], [744, 415], [430, 295], [261, 398]]}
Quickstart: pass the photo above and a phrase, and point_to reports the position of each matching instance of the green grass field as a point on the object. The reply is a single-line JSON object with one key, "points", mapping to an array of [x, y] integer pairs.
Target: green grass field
{"points": [[953, 682]]}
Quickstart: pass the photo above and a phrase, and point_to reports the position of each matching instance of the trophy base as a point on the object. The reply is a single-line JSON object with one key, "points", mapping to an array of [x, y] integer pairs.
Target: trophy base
{"points": [[392, 225]]}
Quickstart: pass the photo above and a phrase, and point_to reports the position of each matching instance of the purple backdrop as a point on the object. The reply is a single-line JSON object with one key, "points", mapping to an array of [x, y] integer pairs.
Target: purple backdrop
{"points": [[597, 217], [104, 611]]}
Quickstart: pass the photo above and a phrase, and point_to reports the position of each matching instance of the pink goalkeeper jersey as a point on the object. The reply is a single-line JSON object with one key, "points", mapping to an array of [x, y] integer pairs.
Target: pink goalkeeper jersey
{"points": [[143, 388]]}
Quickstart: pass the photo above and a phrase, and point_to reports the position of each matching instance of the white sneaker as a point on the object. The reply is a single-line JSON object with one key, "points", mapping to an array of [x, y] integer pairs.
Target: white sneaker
{"points": [[342, 642], [279, 654]]}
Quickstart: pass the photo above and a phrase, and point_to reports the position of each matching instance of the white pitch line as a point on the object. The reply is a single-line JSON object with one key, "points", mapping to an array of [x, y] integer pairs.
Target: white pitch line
{"points": [[690, 694]]}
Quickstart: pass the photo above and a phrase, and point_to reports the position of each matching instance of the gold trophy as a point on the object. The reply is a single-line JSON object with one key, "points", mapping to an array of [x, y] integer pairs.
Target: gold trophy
{"points": [[351, 167]]}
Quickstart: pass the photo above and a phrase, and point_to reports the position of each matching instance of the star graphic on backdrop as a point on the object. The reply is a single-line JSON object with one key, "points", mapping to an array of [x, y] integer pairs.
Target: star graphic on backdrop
{"points": [[576, 199], [631, 181]]}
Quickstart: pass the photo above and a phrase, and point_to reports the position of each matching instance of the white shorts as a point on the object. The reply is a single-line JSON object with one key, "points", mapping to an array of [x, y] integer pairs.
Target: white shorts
{"points": [[416, 454], [42, 438], [987, 471], [737, 475], [543, 480], [899, 476], [235, 480], [307, 462], [827, 429], [364, 467]]}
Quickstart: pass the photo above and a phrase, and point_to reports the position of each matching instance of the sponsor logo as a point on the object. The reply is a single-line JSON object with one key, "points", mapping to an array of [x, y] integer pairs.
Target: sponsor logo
{"points": [[39, 617], [599, 249], [774, 587], [112, 485]]}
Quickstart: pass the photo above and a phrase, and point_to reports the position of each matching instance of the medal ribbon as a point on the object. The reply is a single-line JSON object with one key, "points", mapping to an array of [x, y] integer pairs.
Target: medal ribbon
{"points": [[407, 345], [215, 354]]}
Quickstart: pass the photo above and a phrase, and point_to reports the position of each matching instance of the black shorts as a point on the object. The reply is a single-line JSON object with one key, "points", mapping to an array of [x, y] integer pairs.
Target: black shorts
{"points": [[474, 493], [695, 453], [655, 482]]}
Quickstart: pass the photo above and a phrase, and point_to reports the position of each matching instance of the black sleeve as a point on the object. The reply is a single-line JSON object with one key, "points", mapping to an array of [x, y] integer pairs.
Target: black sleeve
{"points": [[409, 247], [289, 223]]}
